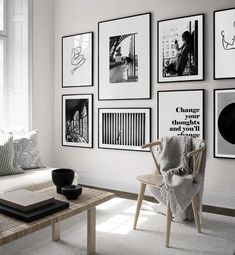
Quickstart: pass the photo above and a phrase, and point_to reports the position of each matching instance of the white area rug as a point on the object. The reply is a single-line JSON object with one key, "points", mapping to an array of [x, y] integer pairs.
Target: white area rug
{"points": [[116, 237]]}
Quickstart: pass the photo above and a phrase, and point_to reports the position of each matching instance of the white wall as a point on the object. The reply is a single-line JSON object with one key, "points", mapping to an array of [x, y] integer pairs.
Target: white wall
{"points": [[118, 169], [43, 76]]}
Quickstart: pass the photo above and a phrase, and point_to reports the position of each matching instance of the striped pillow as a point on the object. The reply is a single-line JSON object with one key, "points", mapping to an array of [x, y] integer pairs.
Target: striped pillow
{"points": [[7, 164], [27, 155]]}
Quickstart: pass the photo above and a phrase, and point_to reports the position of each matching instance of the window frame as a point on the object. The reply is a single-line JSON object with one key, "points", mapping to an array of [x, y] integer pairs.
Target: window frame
{"points": [[3, 37], [3, 32]]}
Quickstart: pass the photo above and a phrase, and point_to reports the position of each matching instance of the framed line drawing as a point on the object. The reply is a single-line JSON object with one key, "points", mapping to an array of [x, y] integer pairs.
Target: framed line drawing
{"points": [[124, 128], [224, 122], [224, 44], [180, 49], [77, 60], [125, 58], [77, 117], [180, 112]]}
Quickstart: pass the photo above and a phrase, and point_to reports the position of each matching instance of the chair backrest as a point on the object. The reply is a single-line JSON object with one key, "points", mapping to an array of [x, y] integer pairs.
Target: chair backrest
{"points": [[196, 154], [150, 146], [197, 157]]}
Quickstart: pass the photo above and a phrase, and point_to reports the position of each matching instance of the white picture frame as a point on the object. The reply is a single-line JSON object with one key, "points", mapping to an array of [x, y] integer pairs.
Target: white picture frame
{"points": [[181, 49], [224, 119], [77, 60], [125, 58], [77, 120], [124, 128], [224, 44], [180, 112]]}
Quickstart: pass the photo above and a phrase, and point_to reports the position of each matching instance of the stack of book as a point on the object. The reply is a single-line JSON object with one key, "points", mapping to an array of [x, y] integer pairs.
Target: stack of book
{"points": [[28, 206]]}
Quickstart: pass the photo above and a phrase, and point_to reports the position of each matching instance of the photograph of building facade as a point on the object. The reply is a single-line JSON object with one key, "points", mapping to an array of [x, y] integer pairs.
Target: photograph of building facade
{"points": [[77, 122]]}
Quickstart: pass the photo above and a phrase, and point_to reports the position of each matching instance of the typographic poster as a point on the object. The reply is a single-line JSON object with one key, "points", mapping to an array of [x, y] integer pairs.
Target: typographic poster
{"points": [[180, 113]]}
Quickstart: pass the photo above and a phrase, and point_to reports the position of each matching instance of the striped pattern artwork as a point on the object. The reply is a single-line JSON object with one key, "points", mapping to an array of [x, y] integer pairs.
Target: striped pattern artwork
{"points": [[124, 129]]}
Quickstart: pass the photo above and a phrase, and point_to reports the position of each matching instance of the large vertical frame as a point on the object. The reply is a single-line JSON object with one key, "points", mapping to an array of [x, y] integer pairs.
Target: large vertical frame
{"points": [[120, 90]]}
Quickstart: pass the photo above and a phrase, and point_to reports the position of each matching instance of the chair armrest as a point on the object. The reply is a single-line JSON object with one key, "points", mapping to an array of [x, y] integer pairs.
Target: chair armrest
{"points": [[191, 153], [147, 145]]}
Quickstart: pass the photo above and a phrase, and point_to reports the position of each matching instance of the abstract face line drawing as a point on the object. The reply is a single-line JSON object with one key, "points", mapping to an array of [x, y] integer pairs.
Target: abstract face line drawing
{"points": [[226, 45], [77, 59]]}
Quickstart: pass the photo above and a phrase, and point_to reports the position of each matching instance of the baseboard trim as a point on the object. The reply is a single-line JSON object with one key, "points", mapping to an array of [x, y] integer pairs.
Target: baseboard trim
{"points": [[218, 210], [219, 199]]}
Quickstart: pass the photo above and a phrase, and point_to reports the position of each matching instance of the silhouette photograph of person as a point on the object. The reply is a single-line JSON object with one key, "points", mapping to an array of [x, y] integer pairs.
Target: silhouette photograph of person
{"points": [[179, 44], [180, 48], [184, 57]]}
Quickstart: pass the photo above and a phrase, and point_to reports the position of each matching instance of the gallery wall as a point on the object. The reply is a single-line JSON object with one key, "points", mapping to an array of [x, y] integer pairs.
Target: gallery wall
{"points": [[118, 169]]}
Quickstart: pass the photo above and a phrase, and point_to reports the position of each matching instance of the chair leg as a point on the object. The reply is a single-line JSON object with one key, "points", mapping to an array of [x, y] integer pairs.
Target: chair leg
{"points": [[168, 224], [196, 214], [139, 203]]}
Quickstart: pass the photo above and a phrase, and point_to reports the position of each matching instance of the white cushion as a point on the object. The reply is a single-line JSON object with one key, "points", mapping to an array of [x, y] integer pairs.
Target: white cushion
{"points": [[28, 178], [27, 155]]}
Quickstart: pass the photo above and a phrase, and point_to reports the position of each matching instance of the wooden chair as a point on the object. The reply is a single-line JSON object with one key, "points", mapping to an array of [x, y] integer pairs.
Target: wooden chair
{"points": [[156, 180]]}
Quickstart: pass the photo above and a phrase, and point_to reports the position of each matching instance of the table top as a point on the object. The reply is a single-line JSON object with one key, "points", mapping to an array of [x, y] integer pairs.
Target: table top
{"points": [[12, 229]]}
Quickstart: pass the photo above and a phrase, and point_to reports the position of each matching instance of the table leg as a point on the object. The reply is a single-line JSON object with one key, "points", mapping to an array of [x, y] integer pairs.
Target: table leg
{"points": [[55, 231], [91, 231]]}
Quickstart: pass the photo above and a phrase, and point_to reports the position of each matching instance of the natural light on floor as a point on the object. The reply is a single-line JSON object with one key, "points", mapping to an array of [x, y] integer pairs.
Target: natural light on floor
{"points": [[122, 222], [109, 204], [119, 224]]}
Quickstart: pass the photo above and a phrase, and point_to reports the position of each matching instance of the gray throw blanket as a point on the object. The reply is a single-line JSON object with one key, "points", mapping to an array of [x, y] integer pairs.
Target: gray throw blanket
{"points": [[177, 175]]}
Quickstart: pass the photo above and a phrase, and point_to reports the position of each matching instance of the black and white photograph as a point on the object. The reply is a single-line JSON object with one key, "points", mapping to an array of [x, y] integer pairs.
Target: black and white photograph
{"points": [[124, 128], [77, 120], [224, 44], [124, 58], [180, 49], [77, 60], [180, 112], [224, 122]]}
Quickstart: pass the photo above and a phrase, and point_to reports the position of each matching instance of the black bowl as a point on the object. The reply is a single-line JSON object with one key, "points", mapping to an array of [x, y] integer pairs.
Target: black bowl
{"points": [[62, 177], [72, 191]]}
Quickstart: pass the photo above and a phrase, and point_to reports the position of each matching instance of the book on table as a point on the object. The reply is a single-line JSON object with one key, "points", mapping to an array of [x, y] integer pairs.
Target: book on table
{"points": [[28, 206], [25, 200]]}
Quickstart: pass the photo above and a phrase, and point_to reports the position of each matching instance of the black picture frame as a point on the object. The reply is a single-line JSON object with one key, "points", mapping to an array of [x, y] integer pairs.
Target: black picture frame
{"points": [[224, 119], [183, 125], [176, 69], [223, 51], [72, 125], [77, 63], [110, 85], [136, 123]]}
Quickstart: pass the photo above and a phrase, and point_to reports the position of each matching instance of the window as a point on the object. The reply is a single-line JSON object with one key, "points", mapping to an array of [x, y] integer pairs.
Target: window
{"points": [[14, 63], [1, 15], [2, 59]]}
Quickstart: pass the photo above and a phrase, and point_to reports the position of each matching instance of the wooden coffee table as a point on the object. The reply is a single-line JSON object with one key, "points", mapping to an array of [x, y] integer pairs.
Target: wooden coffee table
{"points": [[12, 229]]}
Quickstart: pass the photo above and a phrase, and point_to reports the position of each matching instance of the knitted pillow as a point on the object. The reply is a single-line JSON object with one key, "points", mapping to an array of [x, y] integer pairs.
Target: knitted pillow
{"points": [[7, 164], [26, 151]]}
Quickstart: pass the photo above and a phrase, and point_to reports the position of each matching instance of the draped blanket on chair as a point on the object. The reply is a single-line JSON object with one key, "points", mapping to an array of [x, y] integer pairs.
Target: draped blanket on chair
{"points": [[176, 170]]}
